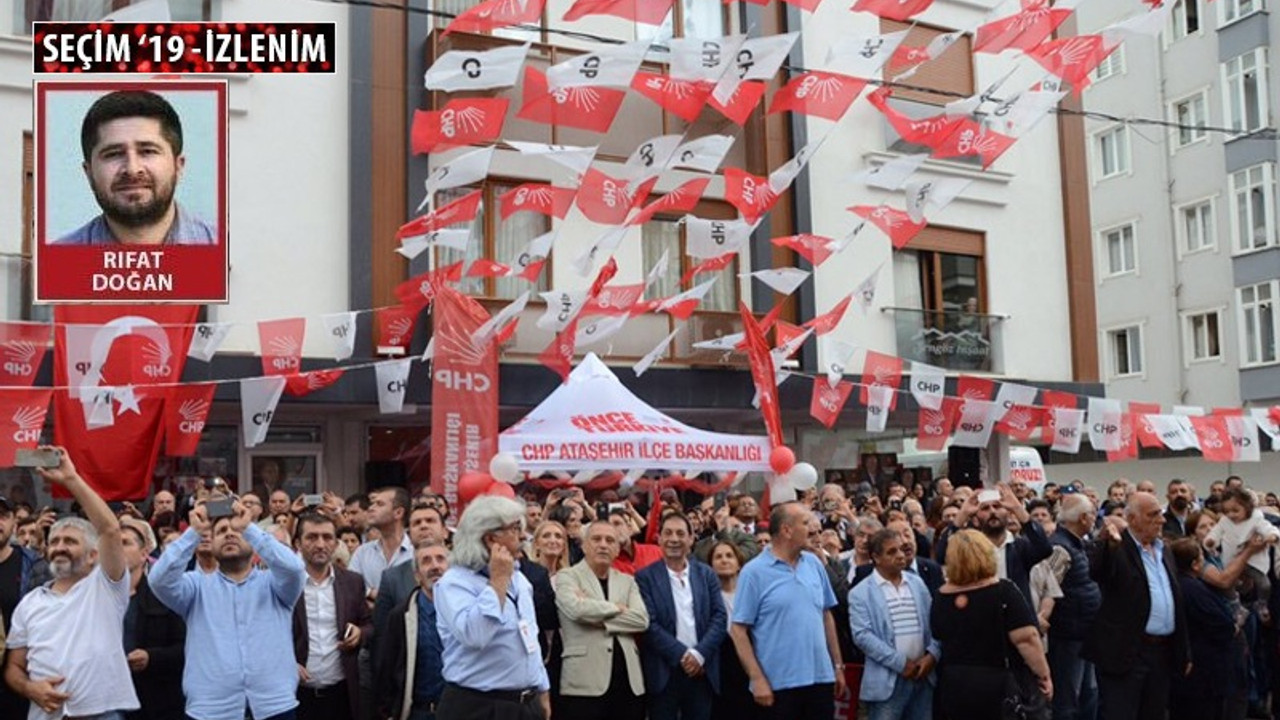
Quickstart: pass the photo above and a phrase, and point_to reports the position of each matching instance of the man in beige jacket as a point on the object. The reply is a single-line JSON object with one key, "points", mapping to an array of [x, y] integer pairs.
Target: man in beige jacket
{"points": [[601, 615]]}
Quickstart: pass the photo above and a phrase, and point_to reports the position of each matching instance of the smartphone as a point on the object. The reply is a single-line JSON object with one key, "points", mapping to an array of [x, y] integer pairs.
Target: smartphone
{"points": [[313, 499], [616, 506], [37, 458], [219, 508]]}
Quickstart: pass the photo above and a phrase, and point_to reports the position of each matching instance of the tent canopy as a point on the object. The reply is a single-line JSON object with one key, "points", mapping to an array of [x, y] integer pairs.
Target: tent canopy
{"points": [[593, 422]]}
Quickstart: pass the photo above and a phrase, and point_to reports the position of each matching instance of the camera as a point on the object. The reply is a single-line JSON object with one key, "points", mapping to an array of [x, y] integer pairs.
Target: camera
{"points": [[219, 508], [313, 499]]}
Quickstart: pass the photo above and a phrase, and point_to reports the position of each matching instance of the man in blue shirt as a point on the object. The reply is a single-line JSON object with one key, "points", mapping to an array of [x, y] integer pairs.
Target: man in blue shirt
{"points": [[487, 621], [411, 659], [239, 620], [783, 629]]}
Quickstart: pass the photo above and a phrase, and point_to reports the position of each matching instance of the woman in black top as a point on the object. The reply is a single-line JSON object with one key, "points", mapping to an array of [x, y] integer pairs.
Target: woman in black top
{"points": [[1212, 629], [976, 658]]}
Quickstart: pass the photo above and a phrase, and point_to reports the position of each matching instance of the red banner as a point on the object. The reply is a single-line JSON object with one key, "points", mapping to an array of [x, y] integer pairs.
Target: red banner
{"points": [[22, 349], [464, 394], [762, 374], [184, 417], [137, 341], [22, 414]]}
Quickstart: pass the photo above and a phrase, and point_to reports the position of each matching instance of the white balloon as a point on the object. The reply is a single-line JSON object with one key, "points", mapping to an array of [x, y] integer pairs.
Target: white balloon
{"points": [[803, 476], [504, 468], [780, 489]]}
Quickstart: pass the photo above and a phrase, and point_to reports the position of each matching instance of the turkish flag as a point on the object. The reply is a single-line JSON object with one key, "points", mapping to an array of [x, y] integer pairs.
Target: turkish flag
{"points": [[750, 194], [420, 290], [897, 224], [558, 355], [933, 427], [880, 369], [682, 199], [969, 387], [744, 100], [185, 413], [820, 94], [1023, 30], [810, 247], [1050, 399], [683, 98], [585, 108], [1214, 437], [394, 326], [1020, 421], [462, 210], [762, 373], [536, 197], [892, 9], [22, 413], [649, 12], [828, 401], [281, 344], [1073, 59], [828, 321], [463, 121], [140, 344], [308, 382], [1147, 435], [22, 348], [494, 14], [605, 200]]}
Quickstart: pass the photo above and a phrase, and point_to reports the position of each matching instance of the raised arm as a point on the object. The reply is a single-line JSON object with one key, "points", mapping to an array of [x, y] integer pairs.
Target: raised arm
{"points": [[110, 545], [168, 577], [288, 575]]}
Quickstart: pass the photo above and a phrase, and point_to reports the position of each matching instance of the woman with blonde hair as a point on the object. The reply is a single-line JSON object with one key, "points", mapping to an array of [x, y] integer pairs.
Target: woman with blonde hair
{"points": [[550, 546], [977, 616]]}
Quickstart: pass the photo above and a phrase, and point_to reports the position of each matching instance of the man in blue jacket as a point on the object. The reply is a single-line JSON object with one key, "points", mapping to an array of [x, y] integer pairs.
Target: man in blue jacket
{"points": [[687, 624], [889, 615]]}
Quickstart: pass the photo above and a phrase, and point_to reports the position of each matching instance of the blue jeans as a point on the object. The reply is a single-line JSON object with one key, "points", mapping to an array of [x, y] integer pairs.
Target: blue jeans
{"points": [[684, 698], [1075, 688], [911, 700]]}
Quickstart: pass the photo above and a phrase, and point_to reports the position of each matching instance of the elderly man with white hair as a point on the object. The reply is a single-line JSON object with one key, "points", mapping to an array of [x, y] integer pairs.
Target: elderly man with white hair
{"points": [[487, 621]]}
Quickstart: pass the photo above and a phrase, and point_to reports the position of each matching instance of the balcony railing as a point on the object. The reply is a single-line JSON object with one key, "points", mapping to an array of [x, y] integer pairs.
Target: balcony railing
{"points": [[949, 339]]}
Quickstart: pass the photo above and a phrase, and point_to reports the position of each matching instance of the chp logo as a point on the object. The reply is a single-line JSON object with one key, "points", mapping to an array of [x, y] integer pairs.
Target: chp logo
{"points": [[192, 413], [20, 358], [157, 360], [28, 420], [465, 356], [469, 120], [285, 351], [1019, 419], [586, 99], [933, 422], [398, 329]]}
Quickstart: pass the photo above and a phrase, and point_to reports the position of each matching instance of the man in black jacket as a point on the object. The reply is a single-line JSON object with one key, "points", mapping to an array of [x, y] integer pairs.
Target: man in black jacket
{"points": [[154, 639], [1075, 689], [1138, 641], [410, 663]]}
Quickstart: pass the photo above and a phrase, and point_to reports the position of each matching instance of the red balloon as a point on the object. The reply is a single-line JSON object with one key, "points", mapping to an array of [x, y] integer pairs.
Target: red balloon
{"points": [[781, 460], [501, 489], [473, 485]]}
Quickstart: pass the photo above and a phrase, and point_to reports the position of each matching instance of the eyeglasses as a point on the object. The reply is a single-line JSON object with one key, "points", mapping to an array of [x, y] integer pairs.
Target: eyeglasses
{"points": [[512, 527]]}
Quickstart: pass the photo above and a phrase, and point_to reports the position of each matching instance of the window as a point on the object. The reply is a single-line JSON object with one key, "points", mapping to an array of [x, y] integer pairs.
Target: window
{"points": [[1125, 345], [951, 72], [1196, 225], [29, 11], [1253, 194], [940, 288], [496, 239], [1186, 18], [1121, 250], [1113, 152], [1233, 10], [1244, 83], [667, 234], [1203, 340], [1191, 114], [1112, 64], [694, 18], [1258, 322]]}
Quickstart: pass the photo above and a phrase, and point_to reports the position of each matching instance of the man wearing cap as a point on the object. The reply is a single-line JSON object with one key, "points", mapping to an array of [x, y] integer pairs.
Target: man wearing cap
{"points": [[21, 569]]}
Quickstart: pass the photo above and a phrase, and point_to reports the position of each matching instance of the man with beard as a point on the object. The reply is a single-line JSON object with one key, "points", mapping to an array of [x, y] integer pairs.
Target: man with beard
{"points": [[410, 688], [132, 145], [328, 625], [399, 581], [239, 620], [1175, 515], [66, 645]]}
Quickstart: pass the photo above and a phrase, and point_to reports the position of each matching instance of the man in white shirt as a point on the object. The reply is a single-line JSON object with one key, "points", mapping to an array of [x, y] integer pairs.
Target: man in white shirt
{"points": [[83, 607], [388, 511]]}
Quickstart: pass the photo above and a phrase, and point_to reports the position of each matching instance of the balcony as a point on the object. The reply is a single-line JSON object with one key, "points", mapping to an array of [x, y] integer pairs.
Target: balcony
{"points": [[949, 339]]}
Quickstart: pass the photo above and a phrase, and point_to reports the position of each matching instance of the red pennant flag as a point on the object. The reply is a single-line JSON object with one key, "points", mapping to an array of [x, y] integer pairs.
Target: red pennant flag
{"points": [[462, 210], [1023, 30], [828, 401], [744, 100], [281, 344], [810, 247], [969, 387], [419, 291], [1128, 449], [22, 413], [897, 224], [605, 200], [494, 14], [933, 427], [607, 273], [536, 197], [681, 200], [1051, 399], [559, 354], [185, 412], [806, 5], [649, 12], [683, 98], [828, 321], [1214, 437], [899, 10], [930, 131], [308, 382], [1020, 422], [486, 268], [394, 326], [786, 332], [463, 121], [585, 108], [22, 348], [1146, 435], [880, 369], [1073, 59], [762, 373], [614, 300], [1224, 411], [750, 194], [707, 266], [969, 139], [817, 93]]}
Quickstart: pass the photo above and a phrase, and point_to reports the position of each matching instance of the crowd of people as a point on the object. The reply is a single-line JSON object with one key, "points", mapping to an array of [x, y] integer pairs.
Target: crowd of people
{"points": [[921, 601]]}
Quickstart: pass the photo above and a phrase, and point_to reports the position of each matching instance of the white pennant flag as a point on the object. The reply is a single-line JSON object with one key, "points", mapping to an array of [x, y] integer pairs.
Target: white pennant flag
{"points": [[932, 195], [862, 55], [493, 325], [470, 167], [574, 157], [879, 398], [476, 70], [1244, 438], [258, 398], [604, 247], [1172, 432], [891, 175], [82, 370], [1104, 424], [1011, 394], [789, 348], [1147, 23], [1262, 418], [841, 354], [205, 340], [393, 382], [452, 238], [865, 294], [341, 331], [612, 66], [938, 45], [562, 307], [694, 294], [782, 280], [781, 179], [758, 59], [835, 247], [649, 158], [659, 269], [1188, 410], [970, 105], [928, 385], [703, 59], [977, 420], [725, 343], [1017, 115], [98, 406], [702, 154], [706, 239], [599, 329], [534, 251], [652, 356], [1067, 431]]}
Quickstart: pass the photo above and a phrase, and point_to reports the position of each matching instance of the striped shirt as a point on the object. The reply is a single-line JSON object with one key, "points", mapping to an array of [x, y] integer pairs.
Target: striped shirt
{"points": [[908, 635]]}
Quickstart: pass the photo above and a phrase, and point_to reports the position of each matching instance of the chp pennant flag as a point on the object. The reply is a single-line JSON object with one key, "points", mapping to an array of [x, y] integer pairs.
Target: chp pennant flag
{"points": [[206, 339], [186, 409], [22, 414], [341, 331], [1104, 424], [476, 70], [828, 401], [762, 373], [585, 107], [928, 385], [466, 168], [258, 399], [462, 121], [864, 55], [820, 94], [683, 98], [879, 403], [22, 348], [977, 420], [494, 14], [281, 345], [1067, 429], [304, 384], [393, 383], [933, 426], [612, 66]]}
